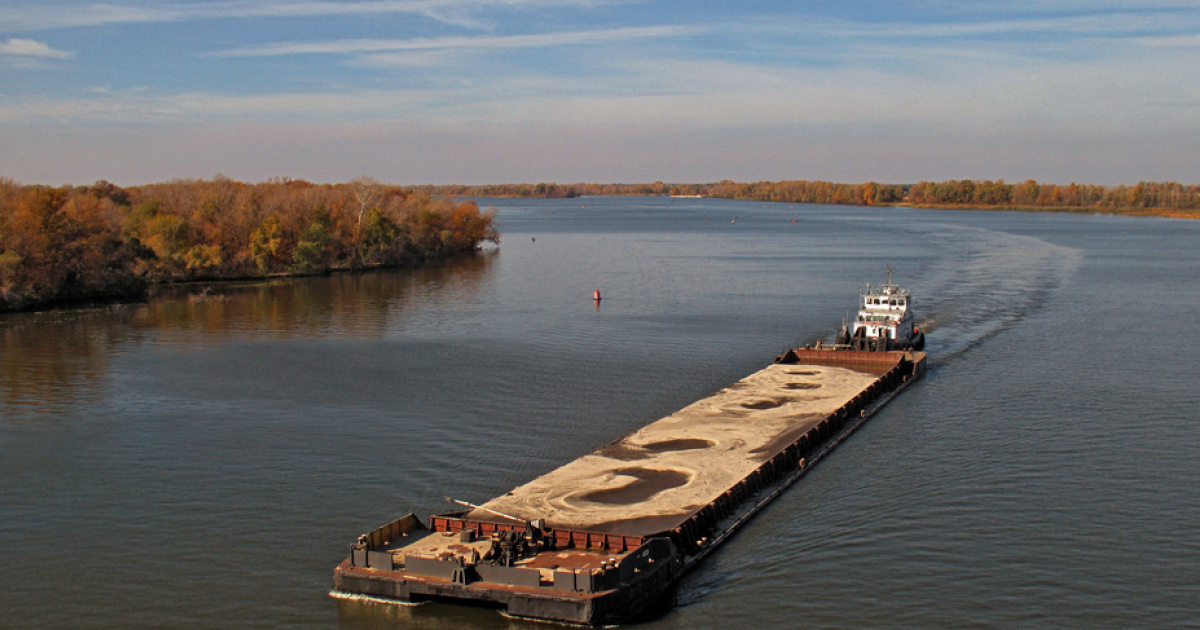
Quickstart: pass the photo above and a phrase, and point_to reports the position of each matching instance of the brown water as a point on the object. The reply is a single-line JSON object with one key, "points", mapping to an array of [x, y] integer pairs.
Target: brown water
{"points": [[203, 461]]}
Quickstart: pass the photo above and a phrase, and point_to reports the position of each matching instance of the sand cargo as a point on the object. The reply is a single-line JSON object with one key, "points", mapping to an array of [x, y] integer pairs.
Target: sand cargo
{"points": [[600, 539]]}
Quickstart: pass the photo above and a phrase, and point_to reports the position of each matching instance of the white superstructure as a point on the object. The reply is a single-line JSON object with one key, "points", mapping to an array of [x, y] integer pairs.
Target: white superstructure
{"points": [[884, 321]]}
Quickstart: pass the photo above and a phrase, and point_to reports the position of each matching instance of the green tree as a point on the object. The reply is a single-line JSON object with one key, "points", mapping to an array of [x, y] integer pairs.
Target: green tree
{"points": [[380, 240], [309, 255]]}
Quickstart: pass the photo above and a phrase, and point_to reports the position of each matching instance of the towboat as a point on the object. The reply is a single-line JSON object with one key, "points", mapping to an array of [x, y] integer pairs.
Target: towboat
{"points": [[885, 320]]}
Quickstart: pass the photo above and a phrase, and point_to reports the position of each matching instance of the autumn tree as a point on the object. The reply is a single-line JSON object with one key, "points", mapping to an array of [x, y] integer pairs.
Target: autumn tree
{"points": [[56, 244], [103, 240]]}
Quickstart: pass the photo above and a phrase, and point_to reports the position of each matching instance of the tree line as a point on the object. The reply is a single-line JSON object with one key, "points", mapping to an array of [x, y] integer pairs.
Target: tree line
{"points": [[564, 191], [69, 243], [1169, 198], [1029, 194]]}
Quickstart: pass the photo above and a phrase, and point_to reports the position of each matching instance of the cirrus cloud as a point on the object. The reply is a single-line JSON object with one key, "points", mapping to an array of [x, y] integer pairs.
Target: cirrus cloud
{"points": [[32, 48]]}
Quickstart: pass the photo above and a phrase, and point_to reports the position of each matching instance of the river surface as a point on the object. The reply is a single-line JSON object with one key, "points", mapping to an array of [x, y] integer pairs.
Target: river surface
{"points": [[204, 460]]}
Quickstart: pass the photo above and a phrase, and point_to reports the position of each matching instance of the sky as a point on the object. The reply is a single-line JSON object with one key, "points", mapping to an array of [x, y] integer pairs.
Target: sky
{"points": [[502, 91]]}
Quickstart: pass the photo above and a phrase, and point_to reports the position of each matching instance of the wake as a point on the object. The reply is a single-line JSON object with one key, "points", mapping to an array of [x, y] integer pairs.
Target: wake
{"points": [[985, 282]]}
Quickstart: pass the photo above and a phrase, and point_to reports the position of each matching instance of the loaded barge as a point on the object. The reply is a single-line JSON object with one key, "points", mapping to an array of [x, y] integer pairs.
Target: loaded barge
{"points": [[600, 539]]}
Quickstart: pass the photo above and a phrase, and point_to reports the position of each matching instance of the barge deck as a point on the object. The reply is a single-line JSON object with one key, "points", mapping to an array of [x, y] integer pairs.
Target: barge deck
{"points": [[599, 539]]}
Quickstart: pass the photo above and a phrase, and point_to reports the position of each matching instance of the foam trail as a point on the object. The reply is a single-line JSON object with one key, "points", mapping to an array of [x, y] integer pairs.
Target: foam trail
{"points": [[985, 283]]}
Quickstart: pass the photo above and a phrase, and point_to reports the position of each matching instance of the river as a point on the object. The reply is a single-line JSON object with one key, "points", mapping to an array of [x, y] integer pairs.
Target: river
{"points": [[203, 460]]}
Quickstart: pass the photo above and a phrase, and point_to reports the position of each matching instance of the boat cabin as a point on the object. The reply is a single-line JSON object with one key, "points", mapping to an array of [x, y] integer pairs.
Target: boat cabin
{"points": [[884, 320]]}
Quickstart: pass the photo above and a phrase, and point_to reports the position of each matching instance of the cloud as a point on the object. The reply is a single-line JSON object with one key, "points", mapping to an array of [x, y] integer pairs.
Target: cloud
{"points": [[1177, 41], [868, 85], [544, 40], [139, 108], [46, 16], [654, 95], [52, 15], [1059, 7], [32, 48], [985, 30]]}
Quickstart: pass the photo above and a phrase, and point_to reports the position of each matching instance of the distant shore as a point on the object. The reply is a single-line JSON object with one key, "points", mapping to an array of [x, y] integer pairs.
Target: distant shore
{"points": [[1122, 211], [1163, 199]]}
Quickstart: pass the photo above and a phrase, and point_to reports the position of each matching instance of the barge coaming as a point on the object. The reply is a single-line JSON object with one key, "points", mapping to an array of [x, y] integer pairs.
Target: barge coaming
{"points": [[600, 539]]}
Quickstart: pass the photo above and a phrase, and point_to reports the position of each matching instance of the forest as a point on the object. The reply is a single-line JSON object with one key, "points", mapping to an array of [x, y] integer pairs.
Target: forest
{"points": [[1164, 198], [62, 244], [103, 241], [1160, 198]]}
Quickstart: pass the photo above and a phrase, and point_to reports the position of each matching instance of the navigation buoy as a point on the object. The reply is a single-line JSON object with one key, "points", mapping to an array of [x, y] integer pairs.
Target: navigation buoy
{"points": [[596, 295]]}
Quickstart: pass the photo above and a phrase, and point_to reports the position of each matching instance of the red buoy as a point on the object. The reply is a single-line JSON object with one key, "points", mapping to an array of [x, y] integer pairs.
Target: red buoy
{"points": [[596, 295]]}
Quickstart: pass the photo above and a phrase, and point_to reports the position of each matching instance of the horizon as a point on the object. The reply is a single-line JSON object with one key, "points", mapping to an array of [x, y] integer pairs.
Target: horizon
{"points": [[485, 92], [569, 185]]}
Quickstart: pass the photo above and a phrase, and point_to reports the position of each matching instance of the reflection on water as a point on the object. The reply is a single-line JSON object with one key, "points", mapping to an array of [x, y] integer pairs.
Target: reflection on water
{"points": [[54, 361], [57, 360], [344, 305]]}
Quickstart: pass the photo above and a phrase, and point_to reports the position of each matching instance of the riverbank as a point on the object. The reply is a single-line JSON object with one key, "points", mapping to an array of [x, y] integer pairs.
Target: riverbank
{"points": [[1167, 199], [1126, 211], [71, 245]]}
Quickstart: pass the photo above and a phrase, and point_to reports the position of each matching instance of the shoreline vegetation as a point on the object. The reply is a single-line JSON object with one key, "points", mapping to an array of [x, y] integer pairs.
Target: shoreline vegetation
{"points": [[102, 242], [1164, 199]]}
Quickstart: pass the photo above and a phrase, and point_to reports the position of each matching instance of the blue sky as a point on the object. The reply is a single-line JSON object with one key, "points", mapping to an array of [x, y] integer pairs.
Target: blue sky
{"points": [[489, 91]]}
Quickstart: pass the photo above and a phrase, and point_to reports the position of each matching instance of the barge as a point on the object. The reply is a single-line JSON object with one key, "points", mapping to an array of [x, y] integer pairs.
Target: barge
{"points": [[600, 539]]}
